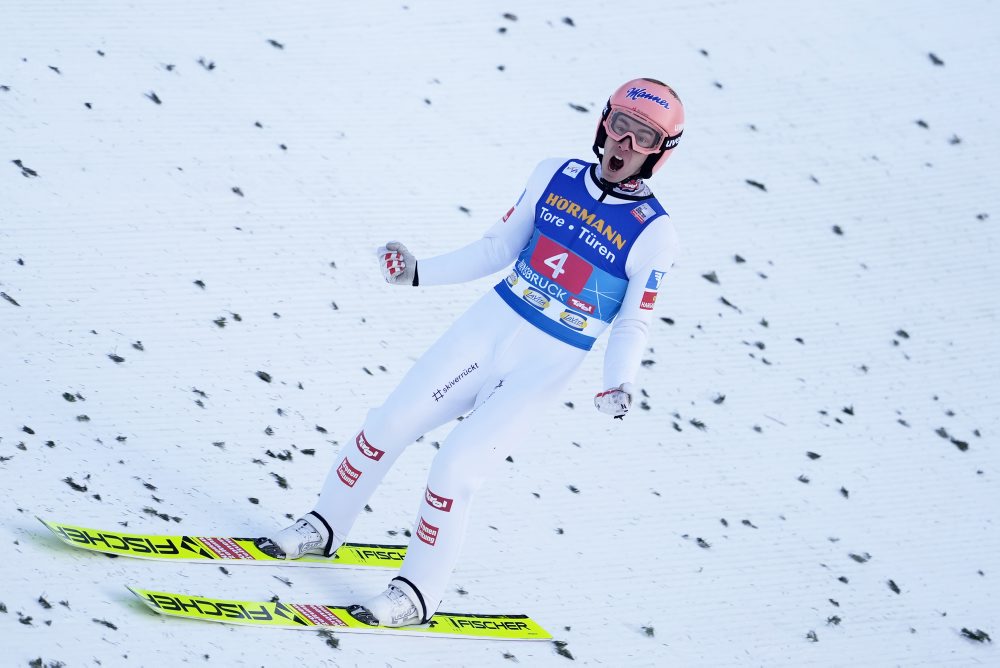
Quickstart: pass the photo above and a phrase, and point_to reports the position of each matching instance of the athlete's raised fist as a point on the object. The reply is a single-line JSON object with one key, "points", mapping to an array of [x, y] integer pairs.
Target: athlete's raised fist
{"points": [[398, 265], [615, 401]]}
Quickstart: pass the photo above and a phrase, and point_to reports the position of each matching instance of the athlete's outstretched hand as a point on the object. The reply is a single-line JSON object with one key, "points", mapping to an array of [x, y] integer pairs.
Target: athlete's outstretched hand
{"points": [[398, 265], [615, 401]]}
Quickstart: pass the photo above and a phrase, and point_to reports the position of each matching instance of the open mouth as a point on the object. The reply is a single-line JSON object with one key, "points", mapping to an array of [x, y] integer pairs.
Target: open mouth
{"points": [[615, 163]]}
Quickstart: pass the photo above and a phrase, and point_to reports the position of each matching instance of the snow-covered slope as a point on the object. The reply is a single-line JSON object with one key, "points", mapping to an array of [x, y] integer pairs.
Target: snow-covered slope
{"points": [[820, 397]]}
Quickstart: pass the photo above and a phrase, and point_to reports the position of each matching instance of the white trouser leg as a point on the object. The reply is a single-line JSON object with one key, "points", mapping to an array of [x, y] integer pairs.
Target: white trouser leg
{"points": [[442, 385], [539, 367]]}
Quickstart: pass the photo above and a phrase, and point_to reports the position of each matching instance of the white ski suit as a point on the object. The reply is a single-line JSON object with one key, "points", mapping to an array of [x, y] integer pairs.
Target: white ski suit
{"points": [[586, 255]]}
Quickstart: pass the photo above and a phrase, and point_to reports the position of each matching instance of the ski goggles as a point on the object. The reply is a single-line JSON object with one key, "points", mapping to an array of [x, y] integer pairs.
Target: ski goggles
{"points": [[646, 138]]}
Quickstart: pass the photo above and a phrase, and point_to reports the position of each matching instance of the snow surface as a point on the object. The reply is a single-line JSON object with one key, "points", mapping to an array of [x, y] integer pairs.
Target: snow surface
{"points": [[820, 397]]}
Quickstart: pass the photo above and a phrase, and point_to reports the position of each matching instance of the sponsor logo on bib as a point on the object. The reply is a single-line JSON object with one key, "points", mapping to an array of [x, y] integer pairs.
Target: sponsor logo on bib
{"points": [[535, 298], [643, 212], [573, 320], [581, 305]]}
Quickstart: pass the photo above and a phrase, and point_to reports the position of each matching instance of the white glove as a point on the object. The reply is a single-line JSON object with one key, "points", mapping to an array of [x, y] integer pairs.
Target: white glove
{"points": [[398, 265], [615, 401]]}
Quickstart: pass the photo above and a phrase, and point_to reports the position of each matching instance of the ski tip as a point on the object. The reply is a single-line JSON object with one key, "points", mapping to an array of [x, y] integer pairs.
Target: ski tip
{"points": [[141, 594], [53, 528]]}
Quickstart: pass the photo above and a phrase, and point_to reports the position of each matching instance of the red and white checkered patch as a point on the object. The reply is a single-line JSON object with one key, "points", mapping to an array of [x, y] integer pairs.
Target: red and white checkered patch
{"points": [[393, 262]]}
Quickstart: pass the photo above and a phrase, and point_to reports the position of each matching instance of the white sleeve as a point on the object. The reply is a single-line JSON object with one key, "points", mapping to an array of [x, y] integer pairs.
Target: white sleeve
{"points": [[499, 245], [652, 255]]}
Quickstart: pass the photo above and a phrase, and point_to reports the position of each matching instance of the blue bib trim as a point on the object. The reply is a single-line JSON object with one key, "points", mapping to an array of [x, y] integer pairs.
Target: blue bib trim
{"points": [[569, 280]]}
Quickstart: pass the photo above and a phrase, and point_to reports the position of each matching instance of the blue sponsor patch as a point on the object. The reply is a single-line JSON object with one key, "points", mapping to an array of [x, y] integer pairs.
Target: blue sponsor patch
{"points": [[654, 280]]}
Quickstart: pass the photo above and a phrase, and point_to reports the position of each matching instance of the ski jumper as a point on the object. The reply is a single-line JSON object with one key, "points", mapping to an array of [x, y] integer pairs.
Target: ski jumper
{"points": [[585, 257]]}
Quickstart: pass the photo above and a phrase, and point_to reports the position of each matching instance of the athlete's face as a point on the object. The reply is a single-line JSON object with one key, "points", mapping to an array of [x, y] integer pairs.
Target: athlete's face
{"points": [[620, 162]]}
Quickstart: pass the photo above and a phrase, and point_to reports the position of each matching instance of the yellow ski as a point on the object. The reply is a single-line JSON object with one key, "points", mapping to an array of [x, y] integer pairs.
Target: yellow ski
{"points": [[203, 549], [336, 618]]}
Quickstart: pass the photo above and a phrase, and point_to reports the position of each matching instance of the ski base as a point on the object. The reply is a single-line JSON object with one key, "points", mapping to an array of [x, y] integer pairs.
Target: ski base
{"points": [[202, 549], [336, 618]]}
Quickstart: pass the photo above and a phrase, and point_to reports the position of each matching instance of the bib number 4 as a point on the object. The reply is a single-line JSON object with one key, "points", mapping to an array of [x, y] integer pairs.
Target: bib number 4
{"points": [[556, 263]]}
